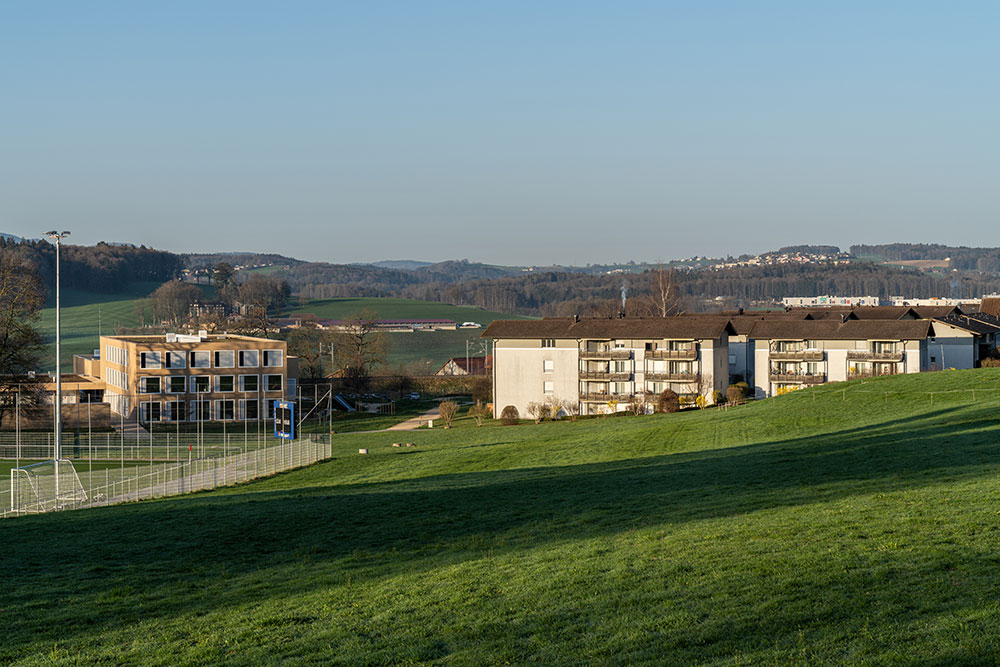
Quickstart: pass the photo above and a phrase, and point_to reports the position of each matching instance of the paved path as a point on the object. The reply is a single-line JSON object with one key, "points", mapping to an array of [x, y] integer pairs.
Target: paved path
{"points": [[414, 423]]}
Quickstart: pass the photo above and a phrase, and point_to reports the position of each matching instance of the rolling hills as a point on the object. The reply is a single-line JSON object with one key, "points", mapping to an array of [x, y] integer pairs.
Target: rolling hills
{"points": [[852, 523]]}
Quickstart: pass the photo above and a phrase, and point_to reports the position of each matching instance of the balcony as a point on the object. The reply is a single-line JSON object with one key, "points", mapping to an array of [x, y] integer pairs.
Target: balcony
{"points": [[851, 375], [868, 355], [605, 355], [672, 377], [604, 398], [797, 355], [690, 354], [797, 378], [604, 376]]}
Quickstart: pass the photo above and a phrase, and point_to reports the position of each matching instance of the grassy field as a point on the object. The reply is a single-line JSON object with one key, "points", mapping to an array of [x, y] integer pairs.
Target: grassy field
{"points": [[421, 351], [84, 314], [852, 523]]}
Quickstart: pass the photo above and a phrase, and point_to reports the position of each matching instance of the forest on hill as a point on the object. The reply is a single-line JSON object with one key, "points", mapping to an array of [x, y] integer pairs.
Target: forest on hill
{"points": [[106, 268]]}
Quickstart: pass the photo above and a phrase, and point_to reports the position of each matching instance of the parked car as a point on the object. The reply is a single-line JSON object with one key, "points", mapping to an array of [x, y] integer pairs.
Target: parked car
{"points": [[412, 396]]}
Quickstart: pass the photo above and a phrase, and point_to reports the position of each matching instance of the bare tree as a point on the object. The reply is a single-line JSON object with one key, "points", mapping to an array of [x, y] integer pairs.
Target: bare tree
{"points": [[537, 411], [172, 301], [21, 344], [448, 410], [360, 348], [665, 297], [311, 346], [571, 407]]}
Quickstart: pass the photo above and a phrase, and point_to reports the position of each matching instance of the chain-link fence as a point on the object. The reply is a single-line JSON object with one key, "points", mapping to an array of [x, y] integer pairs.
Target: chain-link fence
{"points": [[111, 475]]}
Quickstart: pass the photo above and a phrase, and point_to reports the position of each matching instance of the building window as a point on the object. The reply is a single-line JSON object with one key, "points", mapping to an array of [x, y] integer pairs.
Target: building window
{"points": [[149, 411], [225, 358], [225, 383], [175, 411], [548, 342], [272, 358], [225, 409], [150, 385], [200, 359], [176, 384], [249, 358], [200, 384], [548, 366], [249, 409], [272, 405], [175, 360], [249, 383], [149, 360], [272, 383], [549, 387], [200, 410]]}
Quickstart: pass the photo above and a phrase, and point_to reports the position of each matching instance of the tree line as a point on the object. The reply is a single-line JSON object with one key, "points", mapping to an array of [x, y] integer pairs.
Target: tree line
{"points": [[103, 267]]}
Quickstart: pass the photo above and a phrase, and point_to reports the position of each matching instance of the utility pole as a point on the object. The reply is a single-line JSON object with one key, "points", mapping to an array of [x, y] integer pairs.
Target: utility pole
{"points": [[58, 237]]}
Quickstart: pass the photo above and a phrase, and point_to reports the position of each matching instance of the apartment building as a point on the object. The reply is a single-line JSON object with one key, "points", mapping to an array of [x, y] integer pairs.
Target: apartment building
{"points": [[793, 354], [178, 378], [608, 364]]}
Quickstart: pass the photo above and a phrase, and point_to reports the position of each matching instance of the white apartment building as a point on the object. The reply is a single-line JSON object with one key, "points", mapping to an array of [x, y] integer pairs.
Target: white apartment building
{"points": [[607, 364]]}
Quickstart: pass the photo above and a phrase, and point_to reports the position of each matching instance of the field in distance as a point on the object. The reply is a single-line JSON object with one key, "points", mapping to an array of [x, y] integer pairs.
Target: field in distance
{"points": [[422, 351], [850, 523], [84, 313]]}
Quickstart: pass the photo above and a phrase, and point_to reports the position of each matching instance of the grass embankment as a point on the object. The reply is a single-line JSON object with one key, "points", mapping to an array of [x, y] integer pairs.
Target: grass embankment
{"points": [[852, 523]]}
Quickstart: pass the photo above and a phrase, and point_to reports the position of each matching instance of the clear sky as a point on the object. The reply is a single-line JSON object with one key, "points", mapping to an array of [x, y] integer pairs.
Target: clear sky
{"points": [[508, 132]]}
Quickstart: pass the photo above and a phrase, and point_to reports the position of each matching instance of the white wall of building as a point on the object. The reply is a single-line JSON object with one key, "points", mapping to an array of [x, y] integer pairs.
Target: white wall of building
{"points": [[521, 376]]}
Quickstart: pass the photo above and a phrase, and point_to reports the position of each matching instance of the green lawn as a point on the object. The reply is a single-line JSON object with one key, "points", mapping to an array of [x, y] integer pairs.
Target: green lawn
{"points": [[852, 523]]}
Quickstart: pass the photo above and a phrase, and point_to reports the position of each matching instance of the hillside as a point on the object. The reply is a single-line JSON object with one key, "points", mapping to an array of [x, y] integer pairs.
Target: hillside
{"points": [[852, 523]]}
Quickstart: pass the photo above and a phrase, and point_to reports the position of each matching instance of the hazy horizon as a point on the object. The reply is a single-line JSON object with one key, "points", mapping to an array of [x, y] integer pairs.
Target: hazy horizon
{"points": [[518, 134]]}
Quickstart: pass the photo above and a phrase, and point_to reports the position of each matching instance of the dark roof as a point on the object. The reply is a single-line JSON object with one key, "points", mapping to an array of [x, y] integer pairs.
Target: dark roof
{"points": [[978, 323], [834, 329], [632, 327]]}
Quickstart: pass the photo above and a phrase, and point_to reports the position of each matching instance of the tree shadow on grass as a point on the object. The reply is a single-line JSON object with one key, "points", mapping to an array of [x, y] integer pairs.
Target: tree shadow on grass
{"points": [[159, 558]]}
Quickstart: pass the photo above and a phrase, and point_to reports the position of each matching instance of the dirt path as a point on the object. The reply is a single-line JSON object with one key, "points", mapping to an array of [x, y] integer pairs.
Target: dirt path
{"points": [[416, 422]]}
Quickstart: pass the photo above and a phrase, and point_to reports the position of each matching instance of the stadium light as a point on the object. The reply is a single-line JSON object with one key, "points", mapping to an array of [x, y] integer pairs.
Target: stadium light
{"points": [[58, 237]]}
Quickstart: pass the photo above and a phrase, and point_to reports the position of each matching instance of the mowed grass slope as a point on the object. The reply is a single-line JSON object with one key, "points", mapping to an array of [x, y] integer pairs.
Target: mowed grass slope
{"points": [[854, 523]]}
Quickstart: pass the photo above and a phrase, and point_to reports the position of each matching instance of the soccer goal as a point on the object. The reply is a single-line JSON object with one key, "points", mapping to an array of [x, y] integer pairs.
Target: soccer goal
{"points": [[44, 487]]}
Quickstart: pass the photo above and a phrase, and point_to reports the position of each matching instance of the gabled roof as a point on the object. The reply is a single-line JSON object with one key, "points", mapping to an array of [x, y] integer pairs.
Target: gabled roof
{"points": [[837, 330], [980, 324], [702, 328]]}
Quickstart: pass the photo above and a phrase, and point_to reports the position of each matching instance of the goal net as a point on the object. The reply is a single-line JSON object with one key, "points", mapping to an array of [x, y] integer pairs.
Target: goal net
{"points": [[46, 486]]}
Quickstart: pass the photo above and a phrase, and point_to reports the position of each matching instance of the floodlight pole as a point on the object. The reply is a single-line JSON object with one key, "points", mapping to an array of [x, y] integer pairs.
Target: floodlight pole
{"points": [[58, 237]]}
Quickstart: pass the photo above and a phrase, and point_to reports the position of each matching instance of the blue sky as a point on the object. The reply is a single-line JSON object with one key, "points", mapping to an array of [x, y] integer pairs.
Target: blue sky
{"points": [[507, 132]]}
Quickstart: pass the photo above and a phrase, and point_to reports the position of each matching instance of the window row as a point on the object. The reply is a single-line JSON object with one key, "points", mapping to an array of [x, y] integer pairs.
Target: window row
{"points": [[203, 384], [195, 411], [210, 359]]}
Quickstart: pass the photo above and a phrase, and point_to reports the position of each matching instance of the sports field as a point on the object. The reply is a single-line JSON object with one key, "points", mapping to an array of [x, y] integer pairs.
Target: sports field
{"points": [[852, 523]]}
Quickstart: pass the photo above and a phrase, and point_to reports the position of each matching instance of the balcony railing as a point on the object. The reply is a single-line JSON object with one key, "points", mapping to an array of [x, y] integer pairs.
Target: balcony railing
{"points": [[868, 355], [869, 374], [798, 378], [679, 355], [797, 355], [604, 398], [672, 377], [605, 376], [605, 354]]}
